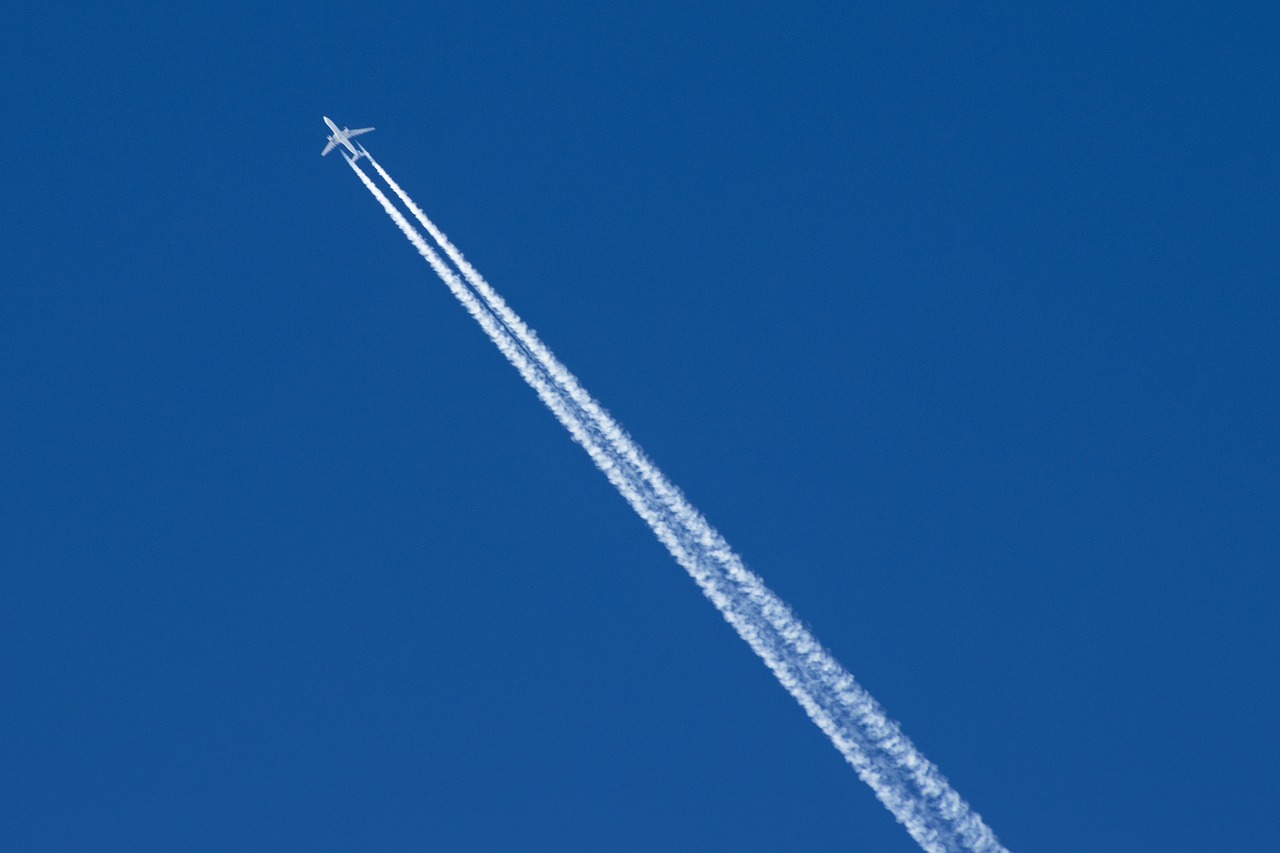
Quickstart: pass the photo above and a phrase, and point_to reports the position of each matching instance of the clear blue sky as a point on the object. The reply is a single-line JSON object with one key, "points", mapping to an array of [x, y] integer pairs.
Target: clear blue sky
{"points": [[958, 320]]}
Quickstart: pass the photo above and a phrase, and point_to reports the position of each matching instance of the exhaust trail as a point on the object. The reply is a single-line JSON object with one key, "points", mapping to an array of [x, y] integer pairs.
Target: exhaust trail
{"points": [[618, 474], [912, 789]]}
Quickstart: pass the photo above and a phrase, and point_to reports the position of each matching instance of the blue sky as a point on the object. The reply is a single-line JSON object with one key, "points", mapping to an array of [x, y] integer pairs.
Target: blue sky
{"points": [[959, 322]]}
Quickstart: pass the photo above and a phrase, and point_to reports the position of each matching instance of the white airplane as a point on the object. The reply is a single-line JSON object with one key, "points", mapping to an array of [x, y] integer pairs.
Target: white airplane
{"points": [[341, 137]]}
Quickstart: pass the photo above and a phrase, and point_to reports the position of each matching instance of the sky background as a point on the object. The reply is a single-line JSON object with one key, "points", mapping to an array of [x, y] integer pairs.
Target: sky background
{"points": [[958, 320]]}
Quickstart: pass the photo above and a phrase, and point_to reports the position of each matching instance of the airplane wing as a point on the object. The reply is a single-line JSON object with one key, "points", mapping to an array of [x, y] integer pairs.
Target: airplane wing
{"points": [[352, 133], [328, 148]]}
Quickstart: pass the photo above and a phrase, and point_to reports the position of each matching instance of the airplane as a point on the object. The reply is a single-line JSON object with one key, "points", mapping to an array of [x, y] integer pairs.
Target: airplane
{"points": [[342, 137]]}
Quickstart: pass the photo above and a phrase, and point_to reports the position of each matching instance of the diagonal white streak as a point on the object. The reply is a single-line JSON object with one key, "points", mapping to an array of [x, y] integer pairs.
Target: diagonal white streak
{"points": [[905, 782]]}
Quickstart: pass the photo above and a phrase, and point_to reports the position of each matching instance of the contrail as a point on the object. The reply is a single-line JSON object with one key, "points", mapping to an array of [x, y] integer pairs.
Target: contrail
{"points": [[905, 782]]}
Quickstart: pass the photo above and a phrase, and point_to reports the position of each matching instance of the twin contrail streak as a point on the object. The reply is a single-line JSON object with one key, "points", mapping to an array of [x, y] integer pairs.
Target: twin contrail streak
{"points": [[904, 780]]}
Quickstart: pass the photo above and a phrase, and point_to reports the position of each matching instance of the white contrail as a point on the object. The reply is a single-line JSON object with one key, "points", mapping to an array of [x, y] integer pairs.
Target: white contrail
{"points": [[912, 788]]}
